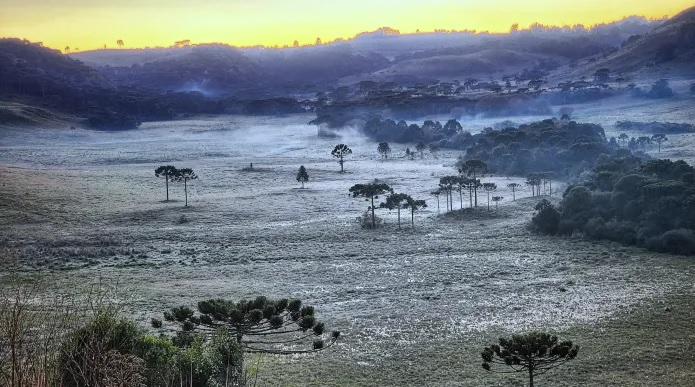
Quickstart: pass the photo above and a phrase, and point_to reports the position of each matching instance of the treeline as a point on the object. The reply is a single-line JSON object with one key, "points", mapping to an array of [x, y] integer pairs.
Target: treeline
{"points": [[631, 201]]}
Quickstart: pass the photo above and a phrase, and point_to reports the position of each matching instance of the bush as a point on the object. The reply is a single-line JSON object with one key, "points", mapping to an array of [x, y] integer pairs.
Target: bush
{"points": [[680, 241], [547, 218]]}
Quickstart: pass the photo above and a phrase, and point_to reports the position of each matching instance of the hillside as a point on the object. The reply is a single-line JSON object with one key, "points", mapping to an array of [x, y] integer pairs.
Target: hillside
{"points": [[670, 45]]}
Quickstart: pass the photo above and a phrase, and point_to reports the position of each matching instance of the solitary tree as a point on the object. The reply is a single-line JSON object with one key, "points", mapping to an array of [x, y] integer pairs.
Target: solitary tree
{"points": [[119, 43], [514, 187], [261, 325], [659, 138], [497, 199], [185, 175], [302, 175], [489, 188], [420, 147], [384, 149], [414, 205], [67, 49], [339, 152], [475, 168], [534, 352], [434, 149], [396, 201], [436, 193], [167, 172], [370, 191]]}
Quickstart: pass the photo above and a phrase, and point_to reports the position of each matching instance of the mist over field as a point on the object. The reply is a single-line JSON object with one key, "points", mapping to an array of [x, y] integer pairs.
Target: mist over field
{"points": [[537, 181]]}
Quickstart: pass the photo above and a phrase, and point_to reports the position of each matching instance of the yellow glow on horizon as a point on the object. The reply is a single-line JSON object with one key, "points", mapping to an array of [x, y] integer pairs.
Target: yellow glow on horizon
{"points": [[87, 25]]}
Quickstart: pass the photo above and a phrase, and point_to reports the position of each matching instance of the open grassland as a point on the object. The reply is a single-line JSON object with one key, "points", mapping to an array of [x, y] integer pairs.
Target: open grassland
{"points": [[415, 306]]}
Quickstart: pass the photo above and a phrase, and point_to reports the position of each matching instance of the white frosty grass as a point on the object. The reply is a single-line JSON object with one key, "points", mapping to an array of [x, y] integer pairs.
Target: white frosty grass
{"points": [[86, 205]]}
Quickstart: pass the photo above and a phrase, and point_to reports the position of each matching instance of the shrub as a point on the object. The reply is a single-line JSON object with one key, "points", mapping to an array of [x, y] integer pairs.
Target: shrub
{"points": [[679, 241], [547, 218]]}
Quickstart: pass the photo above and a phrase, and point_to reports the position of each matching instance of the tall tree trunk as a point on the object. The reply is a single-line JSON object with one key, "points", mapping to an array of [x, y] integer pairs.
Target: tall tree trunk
{"points": [[373, 219], [412, 217], [437, 204], [550, 182], [185, 190], [461, 197], [167, 183], [399, 217], [341, 165], [475, 185], [530, 375], [488, 201]]}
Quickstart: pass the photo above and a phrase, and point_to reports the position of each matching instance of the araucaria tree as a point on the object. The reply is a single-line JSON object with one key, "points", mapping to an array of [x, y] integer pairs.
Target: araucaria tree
{"points": [[489, 188], [167, 172], [339, 152], [659, 138], [396, 201], [384, 149], [514, 187], [497, 199], [534, 352], [302, 175], [420, 147], [436, 193], [261, 325], [414, 205], [474, 168], [185, 175], [370, 191]]}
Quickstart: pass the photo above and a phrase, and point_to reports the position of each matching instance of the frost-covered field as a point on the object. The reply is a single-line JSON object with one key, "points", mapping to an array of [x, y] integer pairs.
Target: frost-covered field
{"points": [[415, 306]]}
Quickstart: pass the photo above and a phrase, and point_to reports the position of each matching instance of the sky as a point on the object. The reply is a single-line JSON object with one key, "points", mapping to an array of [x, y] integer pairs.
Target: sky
{"points": [[91, 24]]}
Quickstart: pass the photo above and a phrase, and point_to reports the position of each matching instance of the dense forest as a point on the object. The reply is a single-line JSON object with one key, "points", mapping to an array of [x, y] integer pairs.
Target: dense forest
{"points": [[648, 203]]}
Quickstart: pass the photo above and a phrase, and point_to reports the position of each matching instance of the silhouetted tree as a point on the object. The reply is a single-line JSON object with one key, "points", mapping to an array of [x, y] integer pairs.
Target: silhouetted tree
{"points": [[384, 149], [295, 44], [302, 175], [547, 178], [659, 138], [67, 49], [168, 172], [489, 188], [436, 193], [514, 187], [119, 43], [396, 201], [434, 149], [623, 138], [475, 168], [420, 147], [261, 325], [370, 191], [414, 205], [533, 180], [339, 152], [497, 199], [534, 352], [447, 183], [185, 174], [452, 127]]}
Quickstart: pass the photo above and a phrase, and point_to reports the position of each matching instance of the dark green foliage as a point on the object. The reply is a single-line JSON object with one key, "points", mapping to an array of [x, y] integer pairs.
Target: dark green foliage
{"points": [[384, 149], [535, 353], [168, 172], [547, 218], [645, 203], [259, 325], [396, 201], [109, 350], [370, 191], [414, 205], [340, 152], [185, 175], [302, 175]]}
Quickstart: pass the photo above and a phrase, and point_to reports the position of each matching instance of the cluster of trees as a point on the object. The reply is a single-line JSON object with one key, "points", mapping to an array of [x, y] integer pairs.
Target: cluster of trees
{"points": [[394, 201], [171, 173], [659, 89], [656, 127], [66, 345], [628, 200]]}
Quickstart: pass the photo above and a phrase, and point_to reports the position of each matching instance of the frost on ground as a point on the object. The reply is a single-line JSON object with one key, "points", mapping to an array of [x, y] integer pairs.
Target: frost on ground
{"points": [[85, 205]]}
